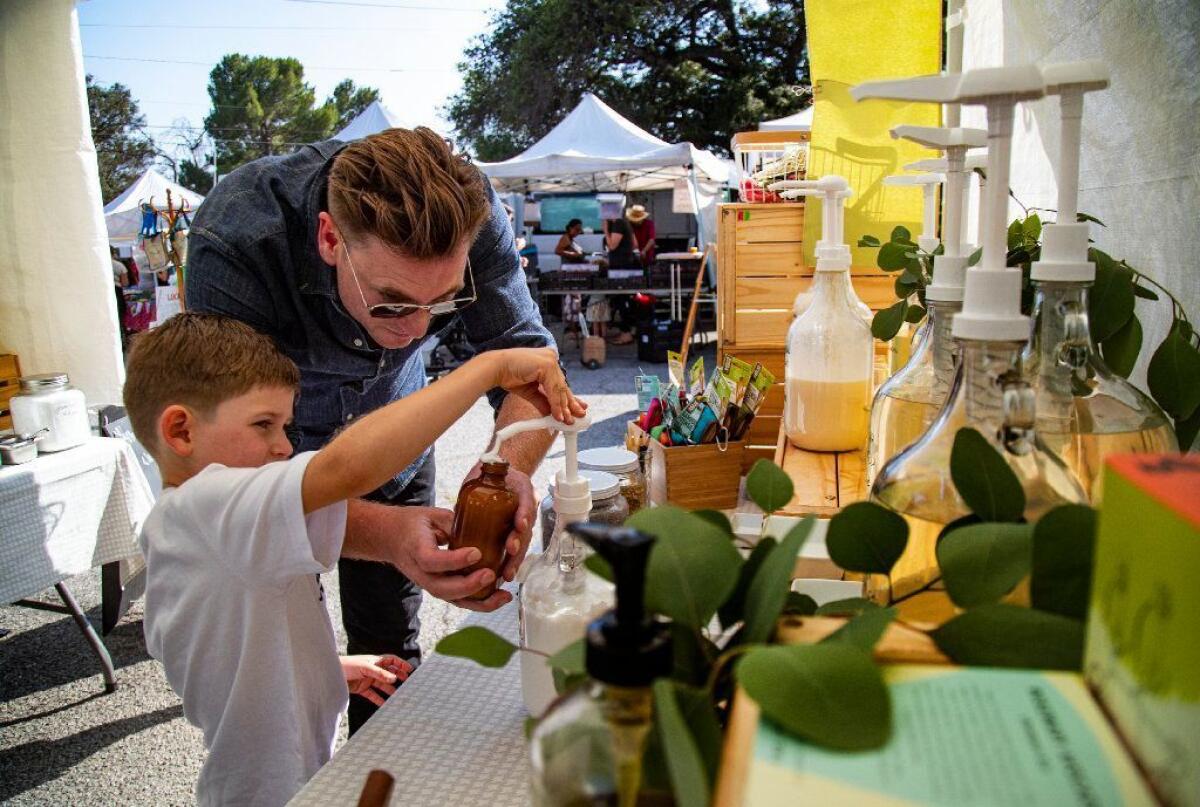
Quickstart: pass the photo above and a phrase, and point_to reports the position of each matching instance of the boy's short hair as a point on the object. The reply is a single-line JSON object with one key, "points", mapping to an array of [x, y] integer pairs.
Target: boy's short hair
{"points": [[198, 360], [409, 189]]}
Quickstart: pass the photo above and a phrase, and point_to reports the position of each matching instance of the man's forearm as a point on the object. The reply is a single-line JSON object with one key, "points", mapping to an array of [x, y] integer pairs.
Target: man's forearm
{"points": [[365, 536], [523, 451]]}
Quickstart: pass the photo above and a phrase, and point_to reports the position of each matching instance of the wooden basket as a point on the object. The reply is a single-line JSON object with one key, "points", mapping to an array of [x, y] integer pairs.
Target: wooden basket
{"points": [[693, 477]]}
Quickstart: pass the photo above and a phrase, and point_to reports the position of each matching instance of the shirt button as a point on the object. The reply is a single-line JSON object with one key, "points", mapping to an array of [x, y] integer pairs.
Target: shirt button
{"points": [[358, 343], [381, 364], [349, 416]]}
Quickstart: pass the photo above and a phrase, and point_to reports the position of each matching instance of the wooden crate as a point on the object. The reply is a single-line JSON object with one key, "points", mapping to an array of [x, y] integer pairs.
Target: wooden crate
{"points": [[695, 477], [10, 385]]}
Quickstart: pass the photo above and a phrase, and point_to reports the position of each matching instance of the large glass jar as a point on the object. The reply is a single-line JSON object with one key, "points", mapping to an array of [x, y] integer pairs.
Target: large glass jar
{"points": [[623, 464], [50, 402], [608, 505]]}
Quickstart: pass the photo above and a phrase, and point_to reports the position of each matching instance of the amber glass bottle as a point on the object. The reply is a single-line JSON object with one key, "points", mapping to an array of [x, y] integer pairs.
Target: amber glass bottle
{"points": [[483, 518]]}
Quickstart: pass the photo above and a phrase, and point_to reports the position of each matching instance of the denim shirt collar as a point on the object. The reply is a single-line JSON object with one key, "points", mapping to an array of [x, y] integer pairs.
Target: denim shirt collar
{"points": [[316, 276]]}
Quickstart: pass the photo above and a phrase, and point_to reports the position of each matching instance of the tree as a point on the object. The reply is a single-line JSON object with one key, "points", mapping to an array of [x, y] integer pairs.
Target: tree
{"points": [[196, 176], [693, 70], [263, 106], [123, 149]]}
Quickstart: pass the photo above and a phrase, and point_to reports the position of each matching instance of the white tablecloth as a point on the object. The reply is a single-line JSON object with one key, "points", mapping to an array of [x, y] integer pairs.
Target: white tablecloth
{"points": [[68, 512], [453, 734]]}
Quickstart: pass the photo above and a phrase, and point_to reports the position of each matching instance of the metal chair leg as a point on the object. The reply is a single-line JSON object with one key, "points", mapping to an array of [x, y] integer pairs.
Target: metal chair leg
{"points": [[89, 633]]}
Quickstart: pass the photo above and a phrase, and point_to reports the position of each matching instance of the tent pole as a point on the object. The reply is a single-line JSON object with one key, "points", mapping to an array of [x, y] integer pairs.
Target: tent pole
{"points": [[701, 235]]}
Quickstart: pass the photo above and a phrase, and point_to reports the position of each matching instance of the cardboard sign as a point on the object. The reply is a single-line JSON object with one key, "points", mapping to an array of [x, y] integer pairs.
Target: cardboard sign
{"points": [[166, 304]]}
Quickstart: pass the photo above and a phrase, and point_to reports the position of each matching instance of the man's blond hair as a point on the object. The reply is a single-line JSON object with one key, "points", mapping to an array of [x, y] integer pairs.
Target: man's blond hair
{"points": [[409, 189], [198, 361]]}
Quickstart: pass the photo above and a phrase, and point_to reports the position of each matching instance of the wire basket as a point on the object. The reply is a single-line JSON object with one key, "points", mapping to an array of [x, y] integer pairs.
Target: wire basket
{"points": [[766, 157]]}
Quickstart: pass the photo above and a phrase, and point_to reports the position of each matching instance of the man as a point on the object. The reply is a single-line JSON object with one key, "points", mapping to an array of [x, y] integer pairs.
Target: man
{"points": [[350, 255], [643, 232]]}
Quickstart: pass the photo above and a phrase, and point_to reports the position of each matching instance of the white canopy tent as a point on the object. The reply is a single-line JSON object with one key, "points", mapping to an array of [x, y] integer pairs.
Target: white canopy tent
{"points": [[123, 215], [799, 122], [596, 149], [375, 118]]}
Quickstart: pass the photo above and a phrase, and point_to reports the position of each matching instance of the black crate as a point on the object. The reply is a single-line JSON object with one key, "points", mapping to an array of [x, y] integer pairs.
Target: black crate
{"points": [[655, 339]]}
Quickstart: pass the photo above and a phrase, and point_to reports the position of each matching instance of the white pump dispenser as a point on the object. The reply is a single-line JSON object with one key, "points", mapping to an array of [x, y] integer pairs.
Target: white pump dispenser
{"points": [[558, 596], [928, 183], [830, 351]]}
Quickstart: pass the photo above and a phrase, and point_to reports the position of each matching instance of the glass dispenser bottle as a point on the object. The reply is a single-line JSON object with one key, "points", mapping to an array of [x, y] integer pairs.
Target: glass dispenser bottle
{"points": [[906, 404], [989, 392], [588, 748], [830, 350], [483, 518], [1084, 410]]}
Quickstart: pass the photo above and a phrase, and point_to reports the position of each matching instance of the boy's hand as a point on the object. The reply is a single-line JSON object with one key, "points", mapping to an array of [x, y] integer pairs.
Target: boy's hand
{"points": [[369, 676], [535, 375]]}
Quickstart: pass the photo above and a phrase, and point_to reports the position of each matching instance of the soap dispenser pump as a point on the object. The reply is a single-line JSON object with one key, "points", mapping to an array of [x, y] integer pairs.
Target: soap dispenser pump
{"points": [[1085, 411], [906, 404], [588, 748], [830, 350], [989, 392]]}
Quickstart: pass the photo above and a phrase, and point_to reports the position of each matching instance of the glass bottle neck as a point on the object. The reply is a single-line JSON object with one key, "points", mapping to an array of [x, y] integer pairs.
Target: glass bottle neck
{"points": [[832, 288], [994, 395], [1062, 334], [940, 345]]}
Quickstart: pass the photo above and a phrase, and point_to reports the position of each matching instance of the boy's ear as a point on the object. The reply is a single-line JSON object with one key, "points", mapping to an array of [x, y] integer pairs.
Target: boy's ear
{"points": [[175, 427]]}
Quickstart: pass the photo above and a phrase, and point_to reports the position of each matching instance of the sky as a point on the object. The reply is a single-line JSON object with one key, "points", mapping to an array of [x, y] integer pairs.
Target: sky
{"points": [[408, 49]]}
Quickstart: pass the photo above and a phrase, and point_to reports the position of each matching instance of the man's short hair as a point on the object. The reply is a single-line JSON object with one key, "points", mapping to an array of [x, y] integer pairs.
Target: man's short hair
{"points": [[198, 360], [574, 222], [409, 189]]}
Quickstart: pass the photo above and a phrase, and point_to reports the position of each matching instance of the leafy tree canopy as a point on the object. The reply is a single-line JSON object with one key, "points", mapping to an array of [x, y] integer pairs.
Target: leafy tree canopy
{"points": [[123, 149], [693, 70]]}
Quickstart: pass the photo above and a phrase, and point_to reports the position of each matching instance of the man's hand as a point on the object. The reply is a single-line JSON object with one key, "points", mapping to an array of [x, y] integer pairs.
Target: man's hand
{"points": [[374, 677], [517, 543]]}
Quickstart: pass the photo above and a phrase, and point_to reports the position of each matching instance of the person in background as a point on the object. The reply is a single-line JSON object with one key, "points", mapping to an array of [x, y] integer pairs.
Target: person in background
{"points": [[567, 247], [120, 281], [643, 232], [622, 254], [120, 273]]}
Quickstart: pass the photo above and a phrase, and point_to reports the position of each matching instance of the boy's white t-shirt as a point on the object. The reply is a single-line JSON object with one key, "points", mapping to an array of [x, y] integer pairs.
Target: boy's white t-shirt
{"points": [[236, 614]]}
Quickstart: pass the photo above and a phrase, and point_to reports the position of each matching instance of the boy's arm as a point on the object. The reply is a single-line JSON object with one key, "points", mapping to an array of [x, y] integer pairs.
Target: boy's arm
{"points": [[376, 448]]}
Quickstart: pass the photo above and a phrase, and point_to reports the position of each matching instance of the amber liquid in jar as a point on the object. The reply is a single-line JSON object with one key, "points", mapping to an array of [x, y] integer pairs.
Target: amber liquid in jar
{"points": [[483, 518]]}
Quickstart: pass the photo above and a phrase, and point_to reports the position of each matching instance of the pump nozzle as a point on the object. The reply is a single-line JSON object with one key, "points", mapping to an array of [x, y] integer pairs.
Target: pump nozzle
{"points": [[548, 422], [1065, 243], [928, 183], [833, 254]]}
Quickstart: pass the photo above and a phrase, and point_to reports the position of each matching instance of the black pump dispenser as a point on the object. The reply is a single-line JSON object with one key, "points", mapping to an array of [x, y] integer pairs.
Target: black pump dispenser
{"points": [[625, 647]]}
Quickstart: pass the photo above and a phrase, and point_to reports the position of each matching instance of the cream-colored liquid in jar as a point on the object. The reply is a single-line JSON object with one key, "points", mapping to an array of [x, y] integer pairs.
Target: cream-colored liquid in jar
{"points": [[827, 415]]}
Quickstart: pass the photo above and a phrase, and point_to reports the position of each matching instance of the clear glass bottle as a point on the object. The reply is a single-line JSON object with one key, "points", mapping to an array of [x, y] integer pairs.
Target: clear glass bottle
{"points": [[588, 749], [830, 353], [50, 402], [609, 506], [906, 404], [1085, 411], [990, 395], [483, 518]]}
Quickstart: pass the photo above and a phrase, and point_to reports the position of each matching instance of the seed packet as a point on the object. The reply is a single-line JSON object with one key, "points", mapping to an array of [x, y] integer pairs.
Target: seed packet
{"points": [[760, 381], [675, 368], [688, 418], [647, 387], [670, 405], [696, 378], [738, 373], [718, 391]]}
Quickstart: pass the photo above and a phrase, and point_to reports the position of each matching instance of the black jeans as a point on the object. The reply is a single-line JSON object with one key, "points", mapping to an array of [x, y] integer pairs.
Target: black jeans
{"points": [[379, 603]]}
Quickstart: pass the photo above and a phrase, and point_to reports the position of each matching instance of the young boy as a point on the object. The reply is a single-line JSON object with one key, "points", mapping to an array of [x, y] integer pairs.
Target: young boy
{"points": [[234, 546]]}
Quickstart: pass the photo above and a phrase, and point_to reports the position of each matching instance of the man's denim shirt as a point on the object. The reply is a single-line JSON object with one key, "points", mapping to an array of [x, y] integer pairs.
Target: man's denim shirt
{"points": [[252, 254]]}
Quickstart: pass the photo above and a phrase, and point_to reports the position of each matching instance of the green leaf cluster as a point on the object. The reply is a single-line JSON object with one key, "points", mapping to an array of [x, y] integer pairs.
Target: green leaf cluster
{"points": [[915, 272]]}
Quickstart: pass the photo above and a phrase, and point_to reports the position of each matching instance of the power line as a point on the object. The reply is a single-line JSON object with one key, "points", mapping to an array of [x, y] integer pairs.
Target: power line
{"points": [[400, 6], [315, 28], [306, 67]]}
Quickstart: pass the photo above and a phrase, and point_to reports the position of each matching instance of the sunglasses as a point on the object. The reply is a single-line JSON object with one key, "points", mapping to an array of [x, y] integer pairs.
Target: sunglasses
{"points": [[401, 310]]}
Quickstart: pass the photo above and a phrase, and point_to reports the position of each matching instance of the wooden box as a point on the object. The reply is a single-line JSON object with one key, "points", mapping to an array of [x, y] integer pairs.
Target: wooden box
{"points": [[691, 477], [10, 385]]}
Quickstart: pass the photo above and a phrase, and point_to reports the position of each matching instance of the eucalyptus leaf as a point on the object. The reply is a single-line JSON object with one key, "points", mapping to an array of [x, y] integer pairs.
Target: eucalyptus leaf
{"points": [[599, 567], [911, 274], [958, 524], [693, 654], [733, 609], [904, 288], [975, 257], [769, 486], [868, 241], [769, 589], [685, 765], [564, 681], [693, 566], [1174, 376], [1120, 351], [1110, 302], [696, 707], [914, 314], [891, 257], [478, 644], [1001, 635], [1016, 234], [864, 630], [886, 323], [1144, 293], [1064, 541], [717, 519], [798, 604], [1032, 227], [1186, 430], [981, 563], [1086, 217], [900, 233], [847, 607], [865, 537], [829, 693], [570, 659], [983, 479]]}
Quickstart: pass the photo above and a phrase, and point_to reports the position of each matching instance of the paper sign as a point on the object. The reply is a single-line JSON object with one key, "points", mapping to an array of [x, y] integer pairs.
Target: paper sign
{"points": [[681, 198], [166, 304]]}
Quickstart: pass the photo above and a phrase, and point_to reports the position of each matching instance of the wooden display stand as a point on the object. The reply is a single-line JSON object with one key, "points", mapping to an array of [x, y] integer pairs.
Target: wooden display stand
{"points": [[10, 385], [692, 477], [761, 269]]}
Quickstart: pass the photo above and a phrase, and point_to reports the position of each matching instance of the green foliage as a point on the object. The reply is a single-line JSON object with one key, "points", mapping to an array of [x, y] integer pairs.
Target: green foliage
{"points": [[1174, 375], [864, 630], [983, 479], [769, 486], [123, 149], [717, 519], [769, 589], [350, 101], [480, 645], [798, 604], [682, 70], [693, 566], [1120, 351], [1110, 303], [686, 766], [830, 693], [732, 610], [981, 563], [1000, 635], [599, 567], [892, 256], [851, 606], [886, 323], [570, 659], [865, 537], [1064, 543]]}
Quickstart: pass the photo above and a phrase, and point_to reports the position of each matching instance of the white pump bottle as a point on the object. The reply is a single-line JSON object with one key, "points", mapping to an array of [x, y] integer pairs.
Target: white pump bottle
{"points": [[558, 597]]}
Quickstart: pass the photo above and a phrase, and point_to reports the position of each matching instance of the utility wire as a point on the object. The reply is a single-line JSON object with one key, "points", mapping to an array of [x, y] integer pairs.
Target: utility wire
{"points": [[400, 6], [306, 67]]}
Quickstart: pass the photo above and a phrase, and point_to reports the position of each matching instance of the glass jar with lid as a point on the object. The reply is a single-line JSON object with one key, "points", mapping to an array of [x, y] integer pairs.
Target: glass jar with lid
{"points": [[622, 463], [50, 402], [608, 505]]}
